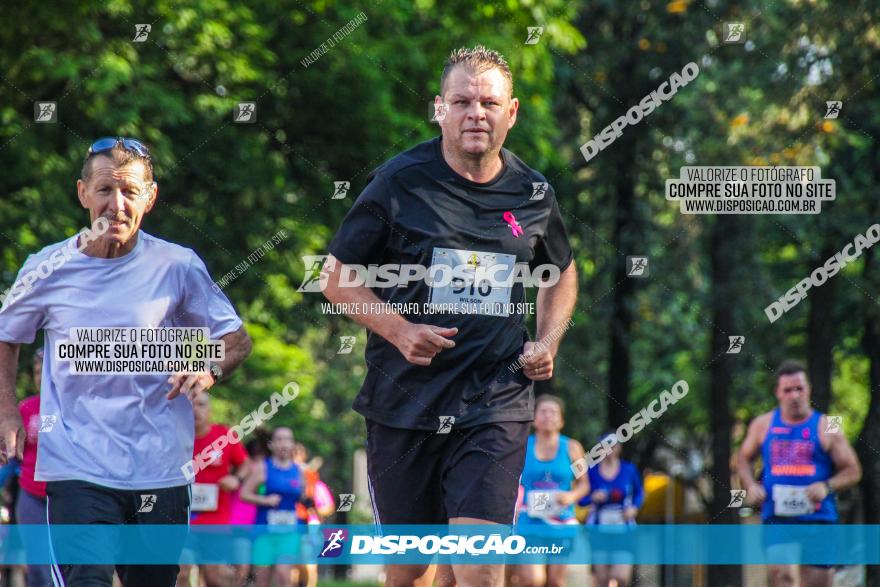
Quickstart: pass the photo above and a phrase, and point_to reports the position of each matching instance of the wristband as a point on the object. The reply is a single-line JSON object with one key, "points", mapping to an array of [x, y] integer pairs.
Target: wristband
{"points": [[216, 372], [828, 486]]}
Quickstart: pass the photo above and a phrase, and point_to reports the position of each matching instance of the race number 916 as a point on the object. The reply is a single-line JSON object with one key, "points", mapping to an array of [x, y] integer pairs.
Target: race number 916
{"points": [[459, 286]]}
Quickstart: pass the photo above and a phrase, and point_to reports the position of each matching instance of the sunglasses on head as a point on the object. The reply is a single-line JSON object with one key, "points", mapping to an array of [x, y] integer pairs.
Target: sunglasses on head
{"points": [[107, 144]]}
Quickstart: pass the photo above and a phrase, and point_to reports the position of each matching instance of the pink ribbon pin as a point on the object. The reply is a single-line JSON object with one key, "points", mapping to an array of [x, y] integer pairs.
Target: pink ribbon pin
{"points": [[515, 228]]}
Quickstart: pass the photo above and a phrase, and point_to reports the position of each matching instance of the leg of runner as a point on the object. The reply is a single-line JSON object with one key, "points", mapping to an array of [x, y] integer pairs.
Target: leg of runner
{"points": [[241, 574], [622, 574], [477, 575], [171, 508], [782, 575], [812, 576], [482, 474], [310, 576], [445, 577], [263, 576], [77, 502], [217, 575], [29, 509], [600, 575], [389, 463], [472, 470], [529, 575], [409, 575], [282, 575], [556, 575], [185, 575]]}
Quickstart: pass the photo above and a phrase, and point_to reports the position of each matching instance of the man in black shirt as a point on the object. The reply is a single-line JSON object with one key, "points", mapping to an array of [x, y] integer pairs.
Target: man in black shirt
{"points": [[448, 393]]}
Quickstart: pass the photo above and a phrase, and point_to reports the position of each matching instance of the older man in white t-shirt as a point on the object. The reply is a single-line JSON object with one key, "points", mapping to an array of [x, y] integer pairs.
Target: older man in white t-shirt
{"points": [[108, 440]]}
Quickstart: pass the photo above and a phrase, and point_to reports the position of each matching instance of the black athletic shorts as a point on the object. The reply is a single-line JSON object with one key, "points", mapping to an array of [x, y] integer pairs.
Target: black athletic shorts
{"points": [[422, 477], [80, 502]]}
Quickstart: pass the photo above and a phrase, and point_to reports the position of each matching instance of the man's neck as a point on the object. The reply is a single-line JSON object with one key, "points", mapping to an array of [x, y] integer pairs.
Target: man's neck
{"points": [[477, 169], [104, 248], [794, 418], [202, 429]]}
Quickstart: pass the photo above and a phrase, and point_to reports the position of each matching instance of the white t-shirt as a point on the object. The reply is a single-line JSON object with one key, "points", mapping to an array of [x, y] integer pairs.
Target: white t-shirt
{"points": [[115, 430]]}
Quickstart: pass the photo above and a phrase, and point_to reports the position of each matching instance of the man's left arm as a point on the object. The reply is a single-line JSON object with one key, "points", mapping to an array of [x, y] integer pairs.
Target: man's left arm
{"points": [[555, 305], [204, 305], [237, 347], [847, 470]]}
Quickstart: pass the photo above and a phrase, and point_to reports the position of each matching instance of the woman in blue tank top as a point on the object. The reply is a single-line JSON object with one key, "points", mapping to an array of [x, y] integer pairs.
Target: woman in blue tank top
{"points": [[616, 494], [284, 484], [549, 490]]}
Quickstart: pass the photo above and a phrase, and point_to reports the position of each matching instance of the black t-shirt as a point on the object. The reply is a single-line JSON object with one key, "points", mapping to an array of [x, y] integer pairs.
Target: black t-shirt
{"points": [[417, 210]]}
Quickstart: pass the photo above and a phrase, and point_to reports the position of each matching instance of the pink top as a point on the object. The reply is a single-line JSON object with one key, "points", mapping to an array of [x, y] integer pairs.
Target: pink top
{"points": [[29, 408], [323, 499], [242, 513]]}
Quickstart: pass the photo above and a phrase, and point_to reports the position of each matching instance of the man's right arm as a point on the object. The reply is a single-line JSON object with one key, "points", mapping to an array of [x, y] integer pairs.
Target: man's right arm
{"points": [[418, 343], [748, 452], [11, 429]]}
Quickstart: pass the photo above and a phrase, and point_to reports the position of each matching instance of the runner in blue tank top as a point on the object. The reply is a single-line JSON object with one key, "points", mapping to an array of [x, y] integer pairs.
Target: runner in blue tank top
{"points": [[284, 485], [548, 489], [616, 495], [616, 492], [806, 460]]}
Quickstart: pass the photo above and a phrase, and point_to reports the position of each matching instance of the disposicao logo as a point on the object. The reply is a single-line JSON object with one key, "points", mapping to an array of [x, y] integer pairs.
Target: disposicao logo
{"points": [[334, 542]]}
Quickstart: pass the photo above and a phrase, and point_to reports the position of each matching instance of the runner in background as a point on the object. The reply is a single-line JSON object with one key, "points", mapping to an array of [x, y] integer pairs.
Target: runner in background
{"points": [[30, 507], [316, 490], [616, 494], [316, 505], [8, 499], [243, 513], [212, 490], [549, 490], [285, 485], [805, 464]]}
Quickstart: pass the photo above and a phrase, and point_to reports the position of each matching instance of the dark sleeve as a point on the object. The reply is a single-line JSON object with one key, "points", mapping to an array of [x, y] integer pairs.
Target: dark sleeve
{"points": [[364, 232], [553, 247], [587, 499], [638, 497]]}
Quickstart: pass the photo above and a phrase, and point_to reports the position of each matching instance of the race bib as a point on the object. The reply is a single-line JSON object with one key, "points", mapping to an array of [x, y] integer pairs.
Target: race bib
{"points": [[281, 517], [611, 516], [204, 497], [791, 500], [542, 503], [471, 282]]}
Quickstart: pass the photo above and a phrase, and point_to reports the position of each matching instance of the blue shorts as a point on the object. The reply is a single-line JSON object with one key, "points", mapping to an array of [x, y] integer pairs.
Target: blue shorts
{"points": [[812, 535]]}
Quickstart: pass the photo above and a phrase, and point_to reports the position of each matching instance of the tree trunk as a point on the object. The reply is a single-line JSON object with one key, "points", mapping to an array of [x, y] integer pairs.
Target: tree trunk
{"points": [[821, 332], [621, 304], [870, 434], [724, 256], [628, 230]]}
